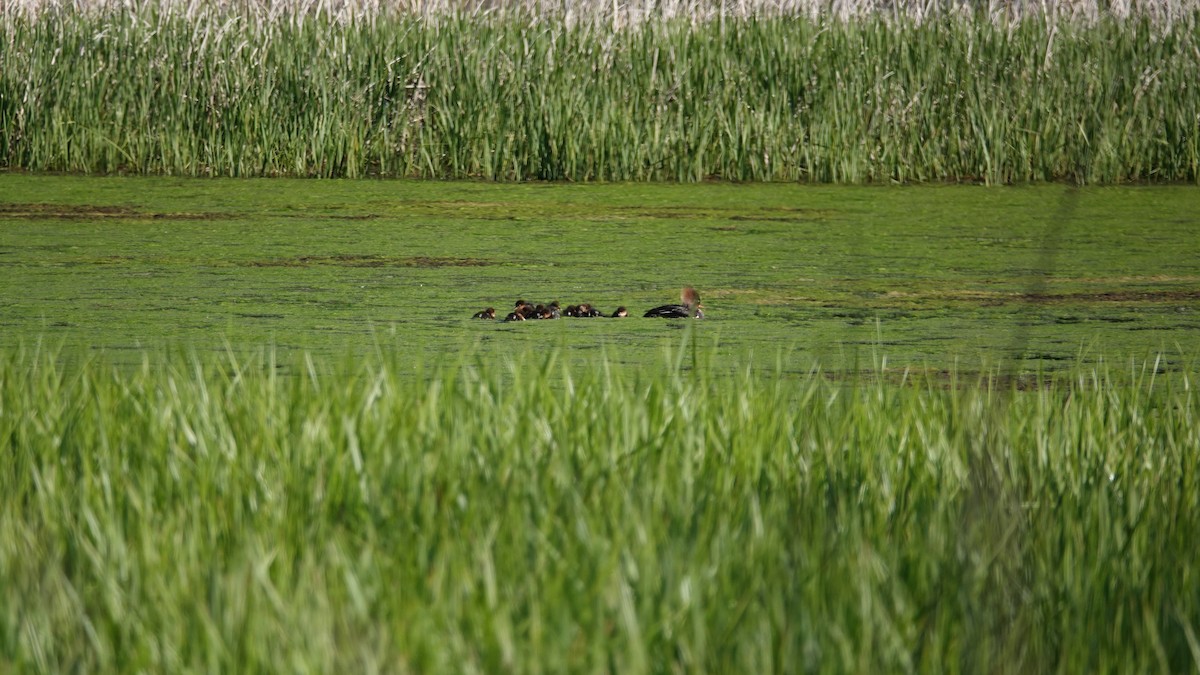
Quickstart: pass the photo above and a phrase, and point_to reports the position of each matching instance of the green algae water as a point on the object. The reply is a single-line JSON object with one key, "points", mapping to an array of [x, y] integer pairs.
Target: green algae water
{"points": [[924, 277]]}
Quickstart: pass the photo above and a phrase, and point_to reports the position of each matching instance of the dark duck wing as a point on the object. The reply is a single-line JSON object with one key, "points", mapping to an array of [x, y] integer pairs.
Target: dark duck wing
{"points": [[669, 312]]}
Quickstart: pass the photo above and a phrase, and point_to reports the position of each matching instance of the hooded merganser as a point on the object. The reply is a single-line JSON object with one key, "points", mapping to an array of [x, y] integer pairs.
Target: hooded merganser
{"points": [[621, 312], [515, 316], [489, 313], [691, 307]]}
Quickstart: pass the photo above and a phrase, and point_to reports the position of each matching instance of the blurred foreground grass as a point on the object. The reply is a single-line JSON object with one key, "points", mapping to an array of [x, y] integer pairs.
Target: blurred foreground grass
{"points": [[206, 513]]}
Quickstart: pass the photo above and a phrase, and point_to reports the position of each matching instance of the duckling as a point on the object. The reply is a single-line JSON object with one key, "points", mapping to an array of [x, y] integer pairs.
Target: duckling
{"points": [[526, 310], [585, 310]]}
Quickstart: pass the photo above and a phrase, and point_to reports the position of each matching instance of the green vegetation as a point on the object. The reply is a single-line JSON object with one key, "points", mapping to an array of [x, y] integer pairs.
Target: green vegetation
{"points": [[512, 96], [248, 426], [924, 429], [210, 515], [933, 277]]}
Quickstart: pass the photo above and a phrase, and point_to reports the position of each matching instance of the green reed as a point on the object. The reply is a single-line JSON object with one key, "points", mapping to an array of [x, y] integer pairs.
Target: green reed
{"points": [[508, 96], [235, 514]]}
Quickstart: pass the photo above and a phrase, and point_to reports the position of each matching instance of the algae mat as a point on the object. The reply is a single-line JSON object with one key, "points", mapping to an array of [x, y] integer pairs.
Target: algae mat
{"points": [[925, 276]]}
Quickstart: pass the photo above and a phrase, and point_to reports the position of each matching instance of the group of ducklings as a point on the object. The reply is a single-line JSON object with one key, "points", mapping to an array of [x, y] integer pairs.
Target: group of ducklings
{"points": [[526, 311]]}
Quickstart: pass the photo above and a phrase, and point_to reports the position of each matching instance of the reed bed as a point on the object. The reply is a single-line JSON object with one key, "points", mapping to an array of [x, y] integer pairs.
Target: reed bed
{"points": [[749, 95], [235, 514], [625, 13]]}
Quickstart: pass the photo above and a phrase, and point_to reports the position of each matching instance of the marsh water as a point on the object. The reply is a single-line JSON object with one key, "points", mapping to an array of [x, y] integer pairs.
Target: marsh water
{"points": [[927, 277]]}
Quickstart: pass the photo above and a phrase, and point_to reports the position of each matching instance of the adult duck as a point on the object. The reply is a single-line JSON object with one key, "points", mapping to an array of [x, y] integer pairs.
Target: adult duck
{"points": [[691, 307]]}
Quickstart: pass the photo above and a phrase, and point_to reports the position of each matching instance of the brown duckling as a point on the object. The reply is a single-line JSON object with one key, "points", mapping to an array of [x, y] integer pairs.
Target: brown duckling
{"points": [[526, 310], [585, 310]]}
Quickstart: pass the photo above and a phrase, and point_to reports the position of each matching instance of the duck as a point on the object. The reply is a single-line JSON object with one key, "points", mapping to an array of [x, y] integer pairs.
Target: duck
{"points": [[489, 313], [514, 316], [525, 309], [586, 311], [691, 307], [620, 312]]}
